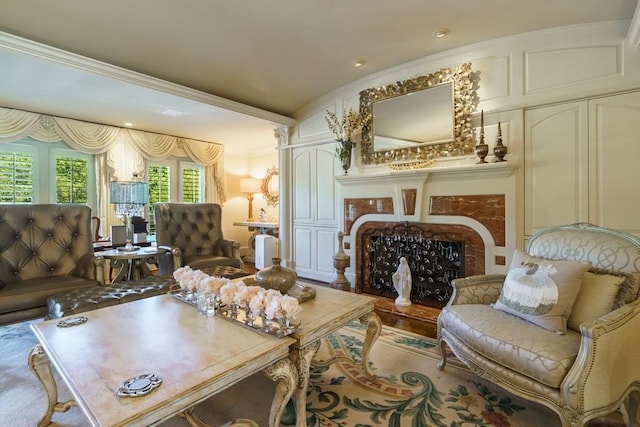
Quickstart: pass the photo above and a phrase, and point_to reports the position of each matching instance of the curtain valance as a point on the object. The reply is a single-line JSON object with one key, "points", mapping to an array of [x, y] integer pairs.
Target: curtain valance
{"points": [[119, 152], [95, 138]]}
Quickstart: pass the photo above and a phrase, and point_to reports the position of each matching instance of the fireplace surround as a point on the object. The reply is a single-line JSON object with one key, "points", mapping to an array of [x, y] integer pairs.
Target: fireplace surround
{"points": [[453, 200], [437, 254]]}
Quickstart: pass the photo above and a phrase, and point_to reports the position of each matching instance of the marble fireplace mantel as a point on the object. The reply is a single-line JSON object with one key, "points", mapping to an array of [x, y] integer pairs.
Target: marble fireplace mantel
{"points": [[454, 168], [455, 191]]}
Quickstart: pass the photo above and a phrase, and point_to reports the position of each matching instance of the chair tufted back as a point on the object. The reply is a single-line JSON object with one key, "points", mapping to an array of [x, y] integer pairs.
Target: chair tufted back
{"points": [[196, 228], [604, 248], [45, 240]]}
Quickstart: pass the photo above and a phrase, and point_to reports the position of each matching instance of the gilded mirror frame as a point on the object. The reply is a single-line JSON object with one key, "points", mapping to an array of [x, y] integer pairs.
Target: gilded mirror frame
{"points": [[464, 101], [272, 199]]}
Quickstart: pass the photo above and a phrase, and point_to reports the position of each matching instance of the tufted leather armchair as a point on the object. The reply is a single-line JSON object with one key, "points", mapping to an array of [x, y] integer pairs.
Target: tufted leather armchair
{"points": [[193, 233], [587, 372], [44, 249]]}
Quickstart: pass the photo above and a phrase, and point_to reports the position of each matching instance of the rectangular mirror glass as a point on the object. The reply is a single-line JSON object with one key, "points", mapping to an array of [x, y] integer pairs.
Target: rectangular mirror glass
{"points": [[422, 117]]}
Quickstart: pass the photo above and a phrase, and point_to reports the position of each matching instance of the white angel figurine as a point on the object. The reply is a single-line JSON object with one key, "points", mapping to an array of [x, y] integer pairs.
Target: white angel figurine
{"points": [[402, 283]]}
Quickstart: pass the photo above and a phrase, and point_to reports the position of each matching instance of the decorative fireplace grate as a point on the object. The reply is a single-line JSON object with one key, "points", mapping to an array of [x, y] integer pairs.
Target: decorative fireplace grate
{"points": [[434, 263]]}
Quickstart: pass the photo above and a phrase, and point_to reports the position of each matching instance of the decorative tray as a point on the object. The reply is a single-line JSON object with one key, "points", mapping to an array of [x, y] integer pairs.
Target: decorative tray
{"points": [[258, 324], [140, 385], [240, 316], [71, 321]]}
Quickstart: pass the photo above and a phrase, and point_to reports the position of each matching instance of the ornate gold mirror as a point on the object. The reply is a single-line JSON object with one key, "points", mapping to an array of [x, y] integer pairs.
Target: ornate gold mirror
{"points": [[270, 187], [420, 118]]}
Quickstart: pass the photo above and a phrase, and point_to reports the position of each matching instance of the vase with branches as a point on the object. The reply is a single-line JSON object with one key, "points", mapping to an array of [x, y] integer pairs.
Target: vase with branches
{"points": [[344, 130]]}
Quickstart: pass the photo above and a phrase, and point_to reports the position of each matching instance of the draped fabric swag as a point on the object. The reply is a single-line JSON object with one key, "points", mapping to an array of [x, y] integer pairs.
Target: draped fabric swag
{"points": [[119, 152]]}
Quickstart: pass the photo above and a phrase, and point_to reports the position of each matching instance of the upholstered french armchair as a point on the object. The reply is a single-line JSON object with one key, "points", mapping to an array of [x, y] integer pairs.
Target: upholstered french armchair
{"points": [[192, 232], [591, 369], [45, 249]]}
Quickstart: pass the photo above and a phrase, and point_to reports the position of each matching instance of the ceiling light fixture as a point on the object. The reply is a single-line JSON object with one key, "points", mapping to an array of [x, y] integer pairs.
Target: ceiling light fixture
{"points": [[128, 124], [359, 63], [441, 34]]}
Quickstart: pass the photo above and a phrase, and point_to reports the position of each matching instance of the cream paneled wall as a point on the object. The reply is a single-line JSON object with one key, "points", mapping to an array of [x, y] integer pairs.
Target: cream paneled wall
{"points": [[516, 76]]}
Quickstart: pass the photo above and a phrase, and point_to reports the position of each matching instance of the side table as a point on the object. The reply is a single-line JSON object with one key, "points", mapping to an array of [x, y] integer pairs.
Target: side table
{"points": [[257, 228], [131, 265]]}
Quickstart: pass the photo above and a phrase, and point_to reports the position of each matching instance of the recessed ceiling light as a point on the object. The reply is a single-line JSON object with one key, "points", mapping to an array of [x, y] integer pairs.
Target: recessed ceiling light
{"points": [[128, 124], [441, 33], [359, 63]]}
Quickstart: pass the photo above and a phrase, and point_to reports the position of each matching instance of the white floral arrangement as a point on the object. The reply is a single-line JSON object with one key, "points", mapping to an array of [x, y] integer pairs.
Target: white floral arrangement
{"points": [[349, 126], [270, 302], [198, 281]]}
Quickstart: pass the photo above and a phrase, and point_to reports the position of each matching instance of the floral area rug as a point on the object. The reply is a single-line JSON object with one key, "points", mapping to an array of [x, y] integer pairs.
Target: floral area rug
{"points": [[408, 390]]}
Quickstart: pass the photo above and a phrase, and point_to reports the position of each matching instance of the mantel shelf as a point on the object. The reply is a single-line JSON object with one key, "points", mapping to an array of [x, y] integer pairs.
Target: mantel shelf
{"points": [[458, 169]]}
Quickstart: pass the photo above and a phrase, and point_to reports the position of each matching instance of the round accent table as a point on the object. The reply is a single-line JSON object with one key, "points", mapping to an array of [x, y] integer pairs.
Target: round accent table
{"points": [[130, 265]]}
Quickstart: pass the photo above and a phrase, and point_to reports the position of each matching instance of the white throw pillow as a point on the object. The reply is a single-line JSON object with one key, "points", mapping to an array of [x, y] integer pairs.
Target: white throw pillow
{"points": [[541, 291]]}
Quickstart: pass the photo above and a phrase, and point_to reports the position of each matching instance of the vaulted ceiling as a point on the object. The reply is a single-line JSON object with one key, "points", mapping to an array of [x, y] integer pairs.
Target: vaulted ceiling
{"points": [[220, 68]]}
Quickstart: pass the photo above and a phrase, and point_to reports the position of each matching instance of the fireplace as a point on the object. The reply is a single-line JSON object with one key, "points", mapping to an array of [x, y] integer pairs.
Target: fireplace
{"points": [[436, 254]]}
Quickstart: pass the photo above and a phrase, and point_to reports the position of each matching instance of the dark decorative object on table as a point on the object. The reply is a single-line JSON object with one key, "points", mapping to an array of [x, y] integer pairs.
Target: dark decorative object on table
{"points": [[277, 277], [482, 149], [500, 150]]}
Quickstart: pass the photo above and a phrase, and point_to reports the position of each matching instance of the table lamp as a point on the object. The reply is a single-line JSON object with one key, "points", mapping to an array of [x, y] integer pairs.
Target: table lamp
{"points": [[250, 186], [129, 198]]}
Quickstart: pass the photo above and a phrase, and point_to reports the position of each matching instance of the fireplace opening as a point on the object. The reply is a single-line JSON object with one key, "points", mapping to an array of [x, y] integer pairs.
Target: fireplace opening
{"points": [[436, 254]]}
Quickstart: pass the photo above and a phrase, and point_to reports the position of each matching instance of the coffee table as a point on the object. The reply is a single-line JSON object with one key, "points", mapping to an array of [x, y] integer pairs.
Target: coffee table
{"points": [[330, 310], [196, 357]]}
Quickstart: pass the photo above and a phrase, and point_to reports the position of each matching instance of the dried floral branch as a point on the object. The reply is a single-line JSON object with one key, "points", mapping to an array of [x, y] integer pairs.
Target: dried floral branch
{"points": [[349, 126]]}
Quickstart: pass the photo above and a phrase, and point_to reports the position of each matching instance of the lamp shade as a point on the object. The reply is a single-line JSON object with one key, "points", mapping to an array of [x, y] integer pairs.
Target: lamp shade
{"points": [[249, 185], [129, 192]]}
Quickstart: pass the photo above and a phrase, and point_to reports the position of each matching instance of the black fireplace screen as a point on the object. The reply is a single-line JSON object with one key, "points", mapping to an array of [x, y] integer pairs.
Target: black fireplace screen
{"points": [[434, 263]]}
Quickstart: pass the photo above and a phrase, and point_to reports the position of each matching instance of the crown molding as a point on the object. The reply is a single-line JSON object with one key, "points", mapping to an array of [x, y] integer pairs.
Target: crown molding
{"points": [[633, 33], [29, 47]]}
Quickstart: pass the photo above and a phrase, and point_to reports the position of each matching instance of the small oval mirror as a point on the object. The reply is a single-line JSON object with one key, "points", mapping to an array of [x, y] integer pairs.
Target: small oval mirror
{"points": [[270, 187]]}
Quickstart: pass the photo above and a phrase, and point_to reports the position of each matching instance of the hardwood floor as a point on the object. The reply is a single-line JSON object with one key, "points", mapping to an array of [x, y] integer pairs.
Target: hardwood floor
{"points": [[417, 319]]}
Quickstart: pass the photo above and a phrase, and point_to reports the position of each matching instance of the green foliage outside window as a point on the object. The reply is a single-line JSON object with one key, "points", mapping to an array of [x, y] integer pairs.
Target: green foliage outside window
{"points": [[71, 180], [158, 178], [16, 177], [191, 185]]}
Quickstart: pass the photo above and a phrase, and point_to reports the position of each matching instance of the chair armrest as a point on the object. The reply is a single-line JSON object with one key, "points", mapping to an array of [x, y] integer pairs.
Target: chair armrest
{"points": [[169, 260], [90, 267], [98, 263], [483, 289], [607, 363], [231, 249]]}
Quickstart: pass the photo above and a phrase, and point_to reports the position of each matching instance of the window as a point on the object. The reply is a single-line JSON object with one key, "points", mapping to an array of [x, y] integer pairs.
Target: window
{"points": [[192, 182], [72, 175], [43, 172], [71, 180], [16, 174], [175, 181], [159, 180]]}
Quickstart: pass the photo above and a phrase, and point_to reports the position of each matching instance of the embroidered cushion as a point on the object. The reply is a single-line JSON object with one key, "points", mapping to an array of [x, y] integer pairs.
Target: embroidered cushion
{"points": [[541, 291]]}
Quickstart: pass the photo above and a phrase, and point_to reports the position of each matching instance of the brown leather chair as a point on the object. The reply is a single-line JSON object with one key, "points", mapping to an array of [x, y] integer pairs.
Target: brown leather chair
{"points": [[193, 232], [45, 249]]}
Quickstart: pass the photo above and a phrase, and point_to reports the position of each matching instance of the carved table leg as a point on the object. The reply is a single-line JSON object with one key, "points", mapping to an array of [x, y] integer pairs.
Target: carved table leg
{"points": [[374, 327], [121, 266], [286, 376], [39, 365], [301, 357]]}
